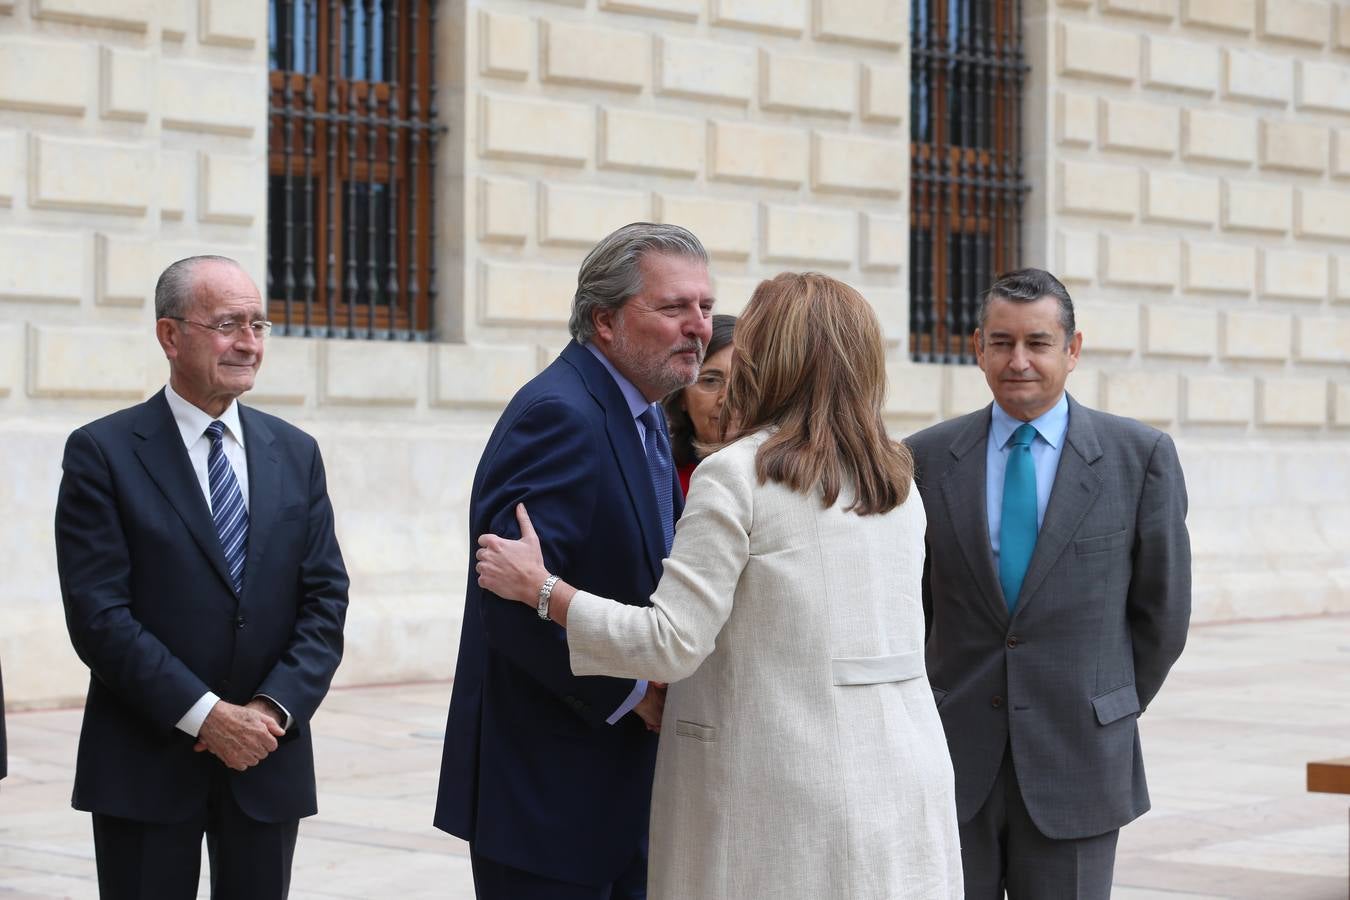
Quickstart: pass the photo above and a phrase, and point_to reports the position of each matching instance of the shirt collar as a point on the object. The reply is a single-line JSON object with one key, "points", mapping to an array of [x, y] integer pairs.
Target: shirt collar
{"points": [[1050, 425], [192, 420], [637, 404]]}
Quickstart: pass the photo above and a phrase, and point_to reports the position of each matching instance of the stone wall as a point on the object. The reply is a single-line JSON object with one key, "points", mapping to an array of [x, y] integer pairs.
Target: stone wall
{"points": [[1189, 162], [1191, 165]]}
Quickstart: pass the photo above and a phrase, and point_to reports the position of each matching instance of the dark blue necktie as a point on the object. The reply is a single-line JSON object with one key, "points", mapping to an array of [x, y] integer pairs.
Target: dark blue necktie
{"points": [[227, 506], [1017, 529], [662, 470]]}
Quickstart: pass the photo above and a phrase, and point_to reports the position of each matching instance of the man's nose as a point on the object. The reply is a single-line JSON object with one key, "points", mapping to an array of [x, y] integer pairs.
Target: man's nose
{"points": [[698, 325]]}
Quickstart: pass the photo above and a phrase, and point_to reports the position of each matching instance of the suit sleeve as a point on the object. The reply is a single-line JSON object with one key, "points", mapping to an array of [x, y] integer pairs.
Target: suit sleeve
{"points": [[94, 565], [1159, 600], [300, 678], [669, 640], [549, 462]]}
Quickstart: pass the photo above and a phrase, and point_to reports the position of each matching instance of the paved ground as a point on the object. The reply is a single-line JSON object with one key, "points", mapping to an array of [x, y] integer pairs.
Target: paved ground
{"points": [[1226, 744]]}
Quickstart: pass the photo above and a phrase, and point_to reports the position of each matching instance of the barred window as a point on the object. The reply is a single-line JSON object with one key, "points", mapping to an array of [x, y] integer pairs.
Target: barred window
{"points": [[352, 138], [966, 187]]}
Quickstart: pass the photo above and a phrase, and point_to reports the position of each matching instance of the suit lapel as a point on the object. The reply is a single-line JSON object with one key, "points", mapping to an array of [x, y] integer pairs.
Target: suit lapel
{"points": [[165, 458], [963, 490], [1075, 490], [264, 486], [627, 447]]}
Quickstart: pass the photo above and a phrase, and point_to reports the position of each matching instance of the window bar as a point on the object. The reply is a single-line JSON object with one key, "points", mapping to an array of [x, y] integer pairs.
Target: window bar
{"points": [[331, 175], [372, 128], [946, 136], [959, 314], [983, 146], [287, 37], [1006, 197], [920, 114], [311, 72], [1015, 142], [433, 135], [351, 114], [391, 285], [414, 152]]}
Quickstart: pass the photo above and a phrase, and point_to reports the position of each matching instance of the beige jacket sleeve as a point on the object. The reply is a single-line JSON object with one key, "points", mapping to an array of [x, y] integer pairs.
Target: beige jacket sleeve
{"points": [[670, 639]]}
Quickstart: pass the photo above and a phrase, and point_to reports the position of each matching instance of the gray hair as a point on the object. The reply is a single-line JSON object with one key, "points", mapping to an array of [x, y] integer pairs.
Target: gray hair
{"points": [[1028, 286], [177, 285], [611, 272]]}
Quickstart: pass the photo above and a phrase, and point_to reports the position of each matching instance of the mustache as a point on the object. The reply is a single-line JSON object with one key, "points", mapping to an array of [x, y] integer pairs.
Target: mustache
{"points": [[696, 346]]}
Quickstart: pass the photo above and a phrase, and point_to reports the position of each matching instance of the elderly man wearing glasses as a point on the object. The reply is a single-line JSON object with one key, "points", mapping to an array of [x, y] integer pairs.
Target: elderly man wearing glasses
{"points": [[204, 589]]}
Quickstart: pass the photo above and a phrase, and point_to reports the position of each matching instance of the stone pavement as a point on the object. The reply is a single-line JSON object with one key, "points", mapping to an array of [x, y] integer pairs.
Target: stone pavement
{"points": [[1226, 744]]}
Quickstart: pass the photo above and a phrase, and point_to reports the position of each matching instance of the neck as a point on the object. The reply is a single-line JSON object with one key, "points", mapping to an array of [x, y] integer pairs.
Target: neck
{"points": [[213, 406]]}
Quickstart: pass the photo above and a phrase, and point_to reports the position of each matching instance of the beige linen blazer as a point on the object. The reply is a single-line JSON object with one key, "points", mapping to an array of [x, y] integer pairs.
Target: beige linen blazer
{"points": [[801, 752]]}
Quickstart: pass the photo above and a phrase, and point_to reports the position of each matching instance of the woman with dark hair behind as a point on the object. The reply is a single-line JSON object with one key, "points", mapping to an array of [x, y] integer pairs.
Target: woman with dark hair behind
{"points": [[693, 412], [801, 752]]}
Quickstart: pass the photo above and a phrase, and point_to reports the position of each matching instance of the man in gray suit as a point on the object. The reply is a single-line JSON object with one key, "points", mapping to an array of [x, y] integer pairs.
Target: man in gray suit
{"points": [[1057, 590]]}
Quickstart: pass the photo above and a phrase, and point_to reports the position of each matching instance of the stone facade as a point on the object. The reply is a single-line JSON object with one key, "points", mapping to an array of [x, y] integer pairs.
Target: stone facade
{"points": [[1189, 163]]}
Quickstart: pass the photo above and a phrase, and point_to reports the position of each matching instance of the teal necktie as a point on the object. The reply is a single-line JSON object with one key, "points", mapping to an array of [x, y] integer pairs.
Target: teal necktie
{"points": [[1017, 530]]}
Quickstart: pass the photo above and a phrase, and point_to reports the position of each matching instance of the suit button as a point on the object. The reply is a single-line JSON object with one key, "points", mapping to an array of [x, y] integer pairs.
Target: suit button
{"points": [[239, 622], [1012, 642], [996, 701]]}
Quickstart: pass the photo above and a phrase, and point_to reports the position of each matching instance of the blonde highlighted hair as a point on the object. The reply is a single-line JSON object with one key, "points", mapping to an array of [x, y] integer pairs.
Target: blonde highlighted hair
{"points": [[810, 364]]}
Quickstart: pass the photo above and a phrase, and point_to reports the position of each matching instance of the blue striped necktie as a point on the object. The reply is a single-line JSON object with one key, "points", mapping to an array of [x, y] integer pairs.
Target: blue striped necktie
{"points": [[227, 506], [1017, 529], [662, 470]]}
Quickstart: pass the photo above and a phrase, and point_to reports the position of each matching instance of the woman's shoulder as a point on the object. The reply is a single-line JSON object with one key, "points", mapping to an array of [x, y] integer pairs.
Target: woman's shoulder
{"points": [[740, 453]]}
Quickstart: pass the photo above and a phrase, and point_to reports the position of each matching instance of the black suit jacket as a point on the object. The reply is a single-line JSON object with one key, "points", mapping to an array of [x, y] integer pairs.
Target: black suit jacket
{"points": [[531, 773], [151, 611]]}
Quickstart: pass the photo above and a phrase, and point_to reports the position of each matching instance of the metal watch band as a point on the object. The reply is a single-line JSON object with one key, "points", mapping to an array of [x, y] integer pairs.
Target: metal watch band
{"points": [[546, 591]]}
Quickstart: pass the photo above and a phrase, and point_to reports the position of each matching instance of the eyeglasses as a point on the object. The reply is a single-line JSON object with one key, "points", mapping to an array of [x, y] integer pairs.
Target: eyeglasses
{"points": [[261, 328], [712, 383]]}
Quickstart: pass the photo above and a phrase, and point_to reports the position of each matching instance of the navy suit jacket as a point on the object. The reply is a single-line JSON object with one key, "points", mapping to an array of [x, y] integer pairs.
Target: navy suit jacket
{"points": [[531, 774], [152, 612]]}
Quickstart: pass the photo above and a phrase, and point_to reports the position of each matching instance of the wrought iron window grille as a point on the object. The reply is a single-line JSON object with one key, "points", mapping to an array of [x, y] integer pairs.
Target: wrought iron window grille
{"points": [[352, 140], [966, 180]]}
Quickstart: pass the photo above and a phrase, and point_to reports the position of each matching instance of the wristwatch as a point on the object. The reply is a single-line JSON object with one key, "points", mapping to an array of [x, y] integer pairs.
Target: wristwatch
{"points": [[546, 591]]}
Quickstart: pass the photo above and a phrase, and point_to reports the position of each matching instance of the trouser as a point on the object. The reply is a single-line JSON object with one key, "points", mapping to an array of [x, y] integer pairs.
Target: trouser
{"points": [[493, 880], [1003, 850], [250, 860]]}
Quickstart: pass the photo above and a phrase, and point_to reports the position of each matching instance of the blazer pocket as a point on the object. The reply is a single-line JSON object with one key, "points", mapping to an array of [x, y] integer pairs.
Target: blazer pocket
{"points": [[877, 669], [1116, 704], [705, 733], [1087, 545]]}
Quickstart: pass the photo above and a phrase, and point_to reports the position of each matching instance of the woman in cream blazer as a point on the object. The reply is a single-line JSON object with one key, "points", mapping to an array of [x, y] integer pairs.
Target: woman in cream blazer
{"points": [[801, 753]]}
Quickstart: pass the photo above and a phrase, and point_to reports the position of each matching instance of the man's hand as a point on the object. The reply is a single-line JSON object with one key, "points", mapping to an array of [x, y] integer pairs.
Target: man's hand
{"points": [[239, 736], [652, 706]]}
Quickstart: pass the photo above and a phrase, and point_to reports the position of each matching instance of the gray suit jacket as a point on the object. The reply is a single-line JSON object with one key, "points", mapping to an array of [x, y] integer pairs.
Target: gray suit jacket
{"points": [[1102, 617]]}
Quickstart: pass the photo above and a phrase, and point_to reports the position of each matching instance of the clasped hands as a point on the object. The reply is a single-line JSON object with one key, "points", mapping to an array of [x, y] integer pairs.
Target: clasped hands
{"points": [[240, 736]]}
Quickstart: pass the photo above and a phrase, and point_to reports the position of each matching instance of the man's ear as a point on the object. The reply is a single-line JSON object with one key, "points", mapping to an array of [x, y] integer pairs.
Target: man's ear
{"points": [[1075, 347], [168, 334], [977, 345], [603, 320]]}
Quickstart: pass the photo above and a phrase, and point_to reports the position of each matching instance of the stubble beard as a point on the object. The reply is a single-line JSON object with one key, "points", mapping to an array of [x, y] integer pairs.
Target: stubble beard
{"points": [[660, 373]]}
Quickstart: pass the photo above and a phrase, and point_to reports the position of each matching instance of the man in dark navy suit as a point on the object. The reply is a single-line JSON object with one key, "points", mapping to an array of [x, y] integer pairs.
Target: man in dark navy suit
{"points": [[546, 774], [204, 588]]}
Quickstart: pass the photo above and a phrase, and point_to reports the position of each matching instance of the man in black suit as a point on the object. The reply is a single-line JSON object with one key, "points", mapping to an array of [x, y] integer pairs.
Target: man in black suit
{"points": [[546, 774], [204, 588]]}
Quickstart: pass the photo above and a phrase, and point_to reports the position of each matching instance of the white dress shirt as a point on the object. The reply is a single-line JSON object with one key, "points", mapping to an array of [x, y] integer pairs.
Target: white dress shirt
{"points": [[192, 424]]}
